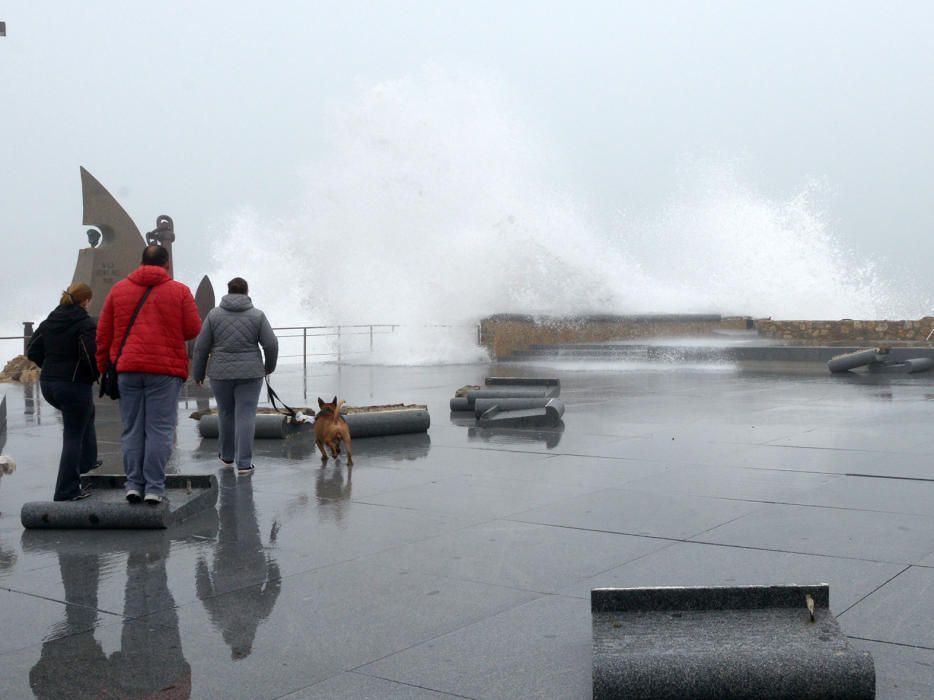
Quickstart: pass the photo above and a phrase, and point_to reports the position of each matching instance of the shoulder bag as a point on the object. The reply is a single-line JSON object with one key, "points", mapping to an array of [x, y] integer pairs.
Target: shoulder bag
{"points": [[109, 386]]}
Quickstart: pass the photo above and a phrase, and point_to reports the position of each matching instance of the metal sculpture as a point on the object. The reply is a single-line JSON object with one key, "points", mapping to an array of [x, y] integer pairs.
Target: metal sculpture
{"points": [[115, 249], [115, 245]]}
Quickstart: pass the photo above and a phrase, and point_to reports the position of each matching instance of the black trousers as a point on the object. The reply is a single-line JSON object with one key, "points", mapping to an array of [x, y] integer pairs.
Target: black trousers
{"points": [[79, 444]]}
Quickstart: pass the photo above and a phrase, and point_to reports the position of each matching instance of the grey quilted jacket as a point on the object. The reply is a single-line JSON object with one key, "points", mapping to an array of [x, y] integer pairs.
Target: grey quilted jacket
{"points": [[228, 345]]}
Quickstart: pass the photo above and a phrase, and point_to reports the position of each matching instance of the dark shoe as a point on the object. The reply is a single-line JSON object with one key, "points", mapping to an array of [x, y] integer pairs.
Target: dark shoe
{"points": [[153, 499], [227, 462], [134, 496], [247, 471], [81, 496]]}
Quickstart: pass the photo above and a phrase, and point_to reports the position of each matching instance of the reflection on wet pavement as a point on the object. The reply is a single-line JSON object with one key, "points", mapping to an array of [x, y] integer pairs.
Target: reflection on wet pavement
{"points": [[424, 566], [550, 438], [238, 545], [133, 670]]}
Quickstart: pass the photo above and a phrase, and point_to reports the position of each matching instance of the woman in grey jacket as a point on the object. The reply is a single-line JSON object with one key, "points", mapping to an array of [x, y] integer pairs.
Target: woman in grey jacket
{"points": [[227, 350]]}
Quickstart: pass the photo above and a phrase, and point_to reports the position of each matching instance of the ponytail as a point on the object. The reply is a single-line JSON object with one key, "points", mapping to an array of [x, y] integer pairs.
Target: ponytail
{"points": [[75, 294]]}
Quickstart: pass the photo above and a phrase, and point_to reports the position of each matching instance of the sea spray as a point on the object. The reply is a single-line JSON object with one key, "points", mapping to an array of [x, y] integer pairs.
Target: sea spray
{"points": [[431, 210]]}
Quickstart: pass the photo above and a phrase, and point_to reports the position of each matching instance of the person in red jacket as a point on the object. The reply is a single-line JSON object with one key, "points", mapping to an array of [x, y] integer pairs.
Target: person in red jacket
{"points": [[151, 369]]}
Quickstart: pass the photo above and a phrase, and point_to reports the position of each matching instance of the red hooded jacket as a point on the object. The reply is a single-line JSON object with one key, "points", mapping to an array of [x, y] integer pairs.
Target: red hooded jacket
{"points": [[167, 319]]}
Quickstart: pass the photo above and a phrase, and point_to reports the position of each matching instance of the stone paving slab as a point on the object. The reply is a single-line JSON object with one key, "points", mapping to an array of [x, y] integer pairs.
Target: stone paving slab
{"points": [[908, 496], [31, 619], [101, 663], [357, 686], [830, 461], [323, 622], [478, 498], [883, 537], [629, 512], [895, 438], [902, 672], [519, 555], [900, 612], [537, 650], [299, 550], [733, 482], [593, 472], [687, 563]]}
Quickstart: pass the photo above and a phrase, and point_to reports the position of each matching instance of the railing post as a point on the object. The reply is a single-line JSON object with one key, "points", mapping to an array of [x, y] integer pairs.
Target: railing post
{"points": [[305, 349], [338, 345], [371, 338], [27, 335]]}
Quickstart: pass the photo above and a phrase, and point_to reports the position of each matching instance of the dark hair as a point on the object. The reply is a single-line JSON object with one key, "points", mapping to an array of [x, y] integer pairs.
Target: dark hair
{"points": [[238, 285], [155, 255]]}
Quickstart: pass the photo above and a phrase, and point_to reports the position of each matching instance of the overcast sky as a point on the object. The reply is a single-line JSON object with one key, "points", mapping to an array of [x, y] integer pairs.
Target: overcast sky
{"points": [[198, 109]]}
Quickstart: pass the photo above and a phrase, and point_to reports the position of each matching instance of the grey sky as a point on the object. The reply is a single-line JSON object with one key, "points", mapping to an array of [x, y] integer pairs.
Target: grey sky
{"points": [[197, 109]]}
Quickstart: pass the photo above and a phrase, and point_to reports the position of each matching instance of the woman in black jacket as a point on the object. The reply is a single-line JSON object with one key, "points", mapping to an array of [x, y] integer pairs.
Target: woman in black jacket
{"points": [[63, 346]]}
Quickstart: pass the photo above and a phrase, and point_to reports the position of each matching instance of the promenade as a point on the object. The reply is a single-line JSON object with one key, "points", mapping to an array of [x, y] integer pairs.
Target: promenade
{"points": [[459, 563]]}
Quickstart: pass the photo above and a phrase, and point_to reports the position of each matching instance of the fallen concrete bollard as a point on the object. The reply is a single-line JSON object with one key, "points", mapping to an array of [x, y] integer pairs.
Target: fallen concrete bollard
{"points": [[396, 422], [724, 643], [522, 381], [912, 366], [362, 423], [513, 392], [481, 406], [860, 358], [466, 397], [268, 426], [548, 415], [107, 508], [505, 388], [461, 403]]}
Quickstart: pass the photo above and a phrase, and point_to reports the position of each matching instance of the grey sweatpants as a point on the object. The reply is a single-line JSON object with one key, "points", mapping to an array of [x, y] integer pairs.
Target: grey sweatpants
{"points": [[149, 411], [236, 418]]}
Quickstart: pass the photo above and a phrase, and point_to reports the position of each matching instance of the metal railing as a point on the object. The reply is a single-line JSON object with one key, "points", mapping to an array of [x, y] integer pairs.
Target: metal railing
{"points": [[337, 333], [325, 343], [339, 342], [24, 339]]}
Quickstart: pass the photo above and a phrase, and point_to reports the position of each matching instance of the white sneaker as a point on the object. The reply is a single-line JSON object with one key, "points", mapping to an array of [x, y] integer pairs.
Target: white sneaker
{"points": [[153, 499], [134, 496]]}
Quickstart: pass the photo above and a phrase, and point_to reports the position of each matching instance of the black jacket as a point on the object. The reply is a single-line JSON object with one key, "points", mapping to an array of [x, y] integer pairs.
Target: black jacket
{"points": [[63, 346]]}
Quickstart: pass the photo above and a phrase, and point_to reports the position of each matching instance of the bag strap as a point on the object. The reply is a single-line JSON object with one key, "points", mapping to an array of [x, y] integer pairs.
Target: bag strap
{"points": [[273, 397], [130, 324]]}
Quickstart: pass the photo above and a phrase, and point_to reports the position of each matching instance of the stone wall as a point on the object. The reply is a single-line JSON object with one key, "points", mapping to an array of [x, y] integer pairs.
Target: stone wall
{"points": [[846, 331], [504, 334]]}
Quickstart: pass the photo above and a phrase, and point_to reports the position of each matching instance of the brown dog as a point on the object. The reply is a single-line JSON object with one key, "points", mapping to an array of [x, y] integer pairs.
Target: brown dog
{"points": [[331, 430]]}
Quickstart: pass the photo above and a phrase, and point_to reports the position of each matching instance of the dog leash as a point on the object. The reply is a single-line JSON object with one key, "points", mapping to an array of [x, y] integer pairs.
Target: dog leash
{"points": [[274, 397]]}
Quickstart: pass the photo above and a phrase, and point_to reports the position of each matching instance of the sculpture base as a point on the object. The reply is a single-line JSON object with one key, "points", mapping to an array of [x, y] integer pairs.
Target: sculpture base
{"points": [[107, 508]]}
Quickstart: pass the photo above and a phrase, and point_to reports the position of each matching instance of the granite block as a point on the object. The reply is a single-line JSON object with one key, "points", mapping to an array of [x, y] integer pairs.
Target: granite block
{"points": [[107, 508], [723, 643]]}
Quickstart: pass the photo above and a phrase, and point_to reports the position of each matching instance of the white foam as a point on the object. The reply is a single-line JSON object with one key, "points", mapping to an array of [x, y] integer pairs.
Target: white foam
{"points": [[432, 206]]}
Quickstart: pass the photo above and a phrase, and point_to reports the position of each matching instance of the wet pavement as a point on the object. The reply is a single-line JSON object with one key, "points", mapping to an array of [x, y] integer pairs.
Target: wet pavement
{"points": [[459, 563]]}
